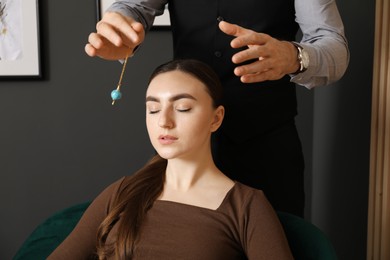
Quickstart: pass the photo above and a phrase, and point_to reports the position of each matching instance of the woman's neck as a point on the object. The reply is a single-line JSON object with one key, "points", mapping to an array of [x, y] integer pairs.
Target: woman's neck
{"points": [[198, 183], [184, 175]]}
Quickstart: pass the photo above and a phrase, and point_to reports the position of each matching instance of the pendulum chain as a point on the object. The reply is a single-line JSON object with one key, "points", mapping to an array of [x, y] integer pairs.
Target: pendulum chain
{"points": [[116, 93]]}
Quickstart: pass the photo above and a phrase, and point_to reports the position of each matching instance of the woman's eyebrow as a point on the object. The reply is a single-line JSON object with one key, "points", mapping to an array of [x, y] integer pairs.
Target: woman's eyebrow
{"points": [[171, 99], [150, 98]]}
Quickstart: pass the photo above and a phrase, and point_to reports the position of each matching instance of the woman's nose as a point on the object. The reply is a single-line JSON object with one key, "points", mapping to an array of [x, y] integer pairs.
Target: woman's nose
{"points": [[165, 120]]}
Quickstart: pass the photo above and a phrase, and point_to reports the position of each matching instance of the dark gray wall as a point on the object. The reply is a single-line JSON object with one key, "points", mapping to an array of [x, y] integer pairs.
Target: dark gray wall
{"points": [[341, 139], [61, 141]]}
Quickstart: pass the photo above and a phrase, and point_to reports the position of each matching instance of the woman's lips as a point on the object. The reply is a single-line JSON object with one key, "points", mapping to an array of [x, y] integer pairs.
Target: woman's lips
{"points": [[166, 139]]}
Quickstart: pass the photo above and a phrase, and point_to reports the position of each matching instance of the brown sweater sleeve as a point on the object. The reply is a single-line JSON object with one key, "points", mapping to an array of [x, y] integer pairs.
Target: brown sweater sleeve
{"points": [[263, 233], [81, 242]]}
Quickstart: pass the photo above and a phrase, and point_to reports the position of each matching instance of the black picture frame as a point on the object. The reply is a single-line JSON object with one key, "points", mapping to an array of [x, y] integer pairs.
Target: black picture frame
{"points": [[20, 57], [161, 22]]}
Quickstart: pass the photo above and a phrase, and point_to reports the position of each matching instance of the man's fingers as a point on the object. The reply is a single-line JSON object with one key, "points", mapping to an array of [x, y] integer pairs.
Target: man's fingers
{"points": [[253, 52], [120, 30], [243, 37], [90, 50], [109, 32], [249, 39], [95, 40], [230, 29], [270, 74], [252, 78], [269, 58], [253, 68], [101, 47]]}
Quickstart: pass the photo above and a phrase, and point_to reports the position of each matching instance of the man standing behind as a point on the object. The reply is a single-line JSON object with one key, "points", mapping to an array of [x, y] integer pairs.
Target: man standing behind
{"points": [[251, 45]]}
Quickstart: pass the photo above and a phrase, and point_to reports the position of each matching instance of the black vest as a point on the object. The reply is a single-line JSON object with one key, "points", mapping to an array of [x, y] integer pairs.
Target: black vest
{"points": [[251, 109]]}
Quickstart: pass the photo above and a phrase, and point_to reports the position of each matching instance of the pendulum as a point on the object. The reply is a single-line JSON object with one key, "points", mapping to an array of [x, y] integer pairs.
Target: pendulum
{"points": [[116, 93]]}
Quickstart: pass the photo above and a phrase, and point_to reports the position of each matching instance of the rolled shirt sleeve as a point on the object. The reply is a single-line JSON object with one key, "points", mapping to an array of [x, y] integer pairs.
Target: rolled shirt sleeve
{"points": [[324, 39], [142, 11]]}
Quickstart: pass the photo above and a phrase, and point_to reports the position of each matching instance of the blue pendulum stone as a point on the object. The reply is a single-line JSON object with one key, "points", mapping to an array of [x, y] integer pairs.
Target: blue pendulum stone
{"points": [[116, 94]]}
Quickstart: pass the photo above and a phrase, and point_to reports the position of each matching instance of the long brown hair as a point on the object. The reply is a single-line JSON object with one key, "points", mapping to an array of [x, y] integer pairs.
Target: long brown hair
{"points": [[139, 191]]}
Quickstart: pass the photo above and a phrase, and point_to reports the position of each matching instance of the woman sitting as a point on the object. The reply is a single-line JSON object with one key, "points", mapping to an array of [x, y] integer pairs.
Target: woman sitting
{"points": [[179, 205]]}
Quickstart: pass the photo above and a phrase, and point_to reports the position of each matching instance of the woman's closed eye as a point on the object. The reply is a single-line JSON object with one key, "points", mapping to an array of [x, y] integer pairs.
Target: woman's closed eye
{"points": [[183, 106], [152, 109], [184, 109]]}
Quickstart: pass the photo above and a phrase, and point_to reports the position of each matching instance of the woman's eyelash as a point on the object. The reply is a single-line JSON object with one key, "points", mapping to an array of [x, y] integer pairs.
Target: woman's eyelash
{"points": [[184, 110], [179, 110]]}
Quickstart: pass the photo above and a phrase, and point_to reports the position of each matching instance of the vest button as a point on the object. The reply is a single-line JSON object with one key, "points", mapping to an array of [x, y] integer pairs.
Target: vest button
{"points": [[220, 19], [218, 54]]}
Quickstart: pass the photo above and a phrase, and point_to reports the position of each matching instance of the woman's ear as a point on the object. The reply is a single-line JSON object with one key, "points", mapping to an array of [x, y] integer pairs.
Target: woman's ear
{"points": [[219, 113]]}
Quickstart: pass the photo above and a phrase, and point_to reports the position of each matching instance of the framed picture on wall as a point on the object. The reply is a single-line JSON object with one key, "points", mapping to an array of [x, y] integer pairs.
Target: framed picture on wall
{"points": [[19, 39], [160, 22]]}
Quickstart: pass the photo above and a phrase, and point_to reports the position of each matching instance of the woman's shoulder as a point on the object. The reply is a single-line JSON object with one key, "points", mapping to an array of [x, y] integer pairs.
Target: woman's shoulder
{"points": [[114, 187], [243, 190], [241, 196], [244, 204], [107, 195]]}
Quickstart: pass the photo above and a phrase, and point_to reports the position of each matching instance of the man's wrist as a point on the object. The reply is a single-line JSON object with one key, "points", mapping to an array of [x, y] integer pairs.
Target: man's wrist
{"points": [[302, 58]]}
